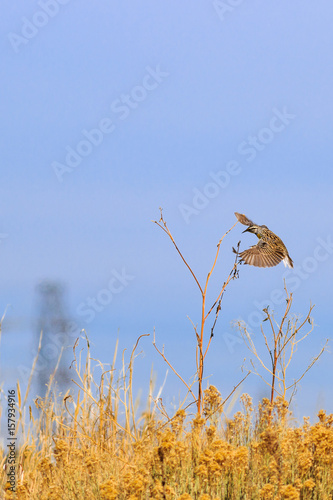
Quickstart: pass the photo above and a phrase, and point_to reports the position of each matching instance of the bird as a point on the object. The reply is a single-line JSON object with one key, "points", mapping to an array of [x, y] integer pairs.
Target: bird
{"points": [[270, 249]]}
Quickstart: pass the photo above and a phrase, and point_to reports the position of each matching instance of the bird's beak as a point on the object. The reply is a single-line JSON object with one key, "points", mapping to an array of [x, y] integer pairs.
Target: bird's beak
{"points": [[245, 230]]}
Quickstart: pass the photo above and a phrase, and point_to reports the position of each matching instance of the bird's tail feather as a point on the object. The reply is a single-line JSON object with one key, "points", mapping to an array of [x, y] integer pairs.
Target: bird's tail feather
{"points": [[288, 262]]}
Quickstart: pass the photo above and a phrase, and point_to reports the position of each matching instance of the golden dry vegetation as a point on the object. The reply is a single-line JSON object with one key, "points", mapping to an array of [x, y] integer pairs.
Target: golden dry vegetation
{"points": [[94, 448]]}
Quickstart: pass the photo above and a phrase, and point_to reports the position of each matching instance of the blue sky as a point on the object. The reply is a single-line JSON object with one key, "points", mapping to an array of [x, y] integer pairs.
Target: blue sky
{"points": [[182, 94]]}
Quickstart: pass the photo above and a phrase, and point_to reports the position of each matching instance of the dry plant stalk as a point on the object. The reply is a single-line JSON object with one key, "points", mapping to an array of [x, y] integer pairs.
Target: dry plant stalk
{"points": [[281, 349], [201, 351]]}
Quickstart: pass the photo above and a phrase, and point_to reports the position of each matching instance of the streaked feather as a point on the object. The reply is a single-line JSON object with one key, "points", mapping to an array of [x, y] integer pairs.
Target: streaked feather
{"points": [[243, 219]]}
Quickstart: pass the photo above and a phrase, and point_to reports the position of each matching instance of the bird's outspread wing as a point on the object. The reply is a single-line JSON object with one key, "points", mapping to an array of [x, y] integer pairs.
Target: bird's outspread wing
{"points": [[243, 219], [261, 255]]}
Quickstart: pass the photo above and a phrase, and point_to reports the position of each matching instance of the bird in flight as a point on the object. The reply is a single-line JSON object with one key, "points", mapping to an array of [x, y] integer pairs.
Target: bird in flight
{"points": [[269, 250]]}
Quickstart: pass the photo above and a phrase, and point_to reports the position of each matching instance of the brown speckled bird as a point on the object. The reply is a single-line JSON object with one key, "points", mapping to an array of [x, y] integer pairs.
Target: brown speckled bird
{"points": [[269, 250]]}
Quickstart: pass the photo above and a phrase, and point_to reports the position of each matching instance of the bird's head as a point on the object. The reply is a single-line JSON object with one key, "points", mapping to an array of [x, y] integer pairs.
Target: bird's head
{"points": [[251, 229]]}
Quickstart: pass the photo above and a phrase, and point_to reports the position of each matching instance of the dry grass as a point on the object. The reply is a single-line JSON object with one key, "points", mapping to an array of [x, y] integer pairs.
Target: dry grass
{"points": [[94, 448]]}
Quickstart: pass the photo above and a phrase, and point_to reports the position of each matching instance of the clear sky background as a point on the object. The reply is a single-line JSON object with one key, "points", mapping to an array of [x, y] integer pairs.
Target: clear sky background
{"points": [[202, 108]]}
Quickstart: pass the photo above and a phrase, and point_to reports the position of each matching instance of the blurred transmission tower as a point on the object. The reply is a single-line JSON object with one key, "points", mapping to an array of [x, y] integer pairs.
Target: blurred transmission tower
{"points": [[53, 321]]}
